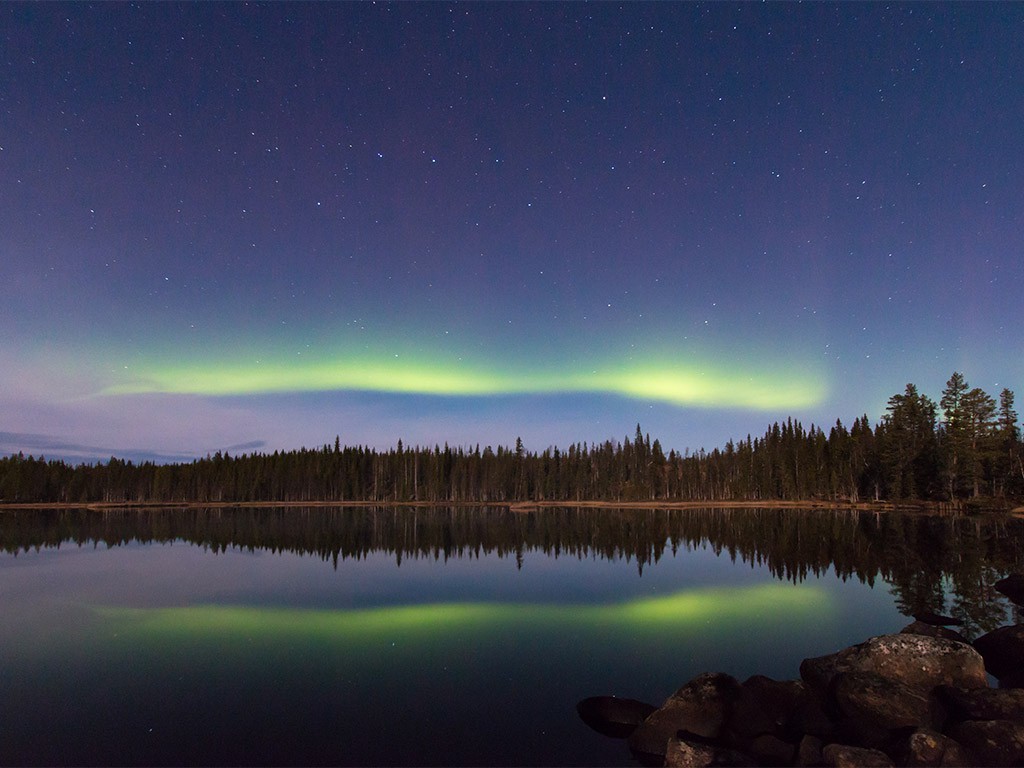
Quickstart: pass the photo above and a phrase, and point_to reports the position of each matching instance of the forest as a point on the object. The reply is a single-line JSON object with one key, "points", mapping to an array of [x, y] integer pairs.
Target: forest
{"points": [[964, 450]]}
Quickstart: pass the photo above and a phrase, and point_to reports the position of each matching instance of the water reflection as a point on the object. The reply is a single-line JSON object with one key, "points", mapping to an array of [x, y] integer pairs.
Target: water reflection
{"points": [[934, 563], [681, 612]]}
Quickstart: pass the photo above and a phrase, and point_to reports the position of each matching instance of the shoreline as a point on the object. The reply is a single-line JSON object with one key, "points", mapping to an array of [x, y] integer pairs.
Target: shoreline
{"points": [[522, 506]]}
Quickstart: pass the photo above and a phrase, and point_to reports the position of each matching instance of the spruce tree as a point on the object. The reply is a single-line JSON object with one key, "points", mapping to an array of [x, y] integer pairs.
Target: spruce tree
{"points": [[955, 438]]}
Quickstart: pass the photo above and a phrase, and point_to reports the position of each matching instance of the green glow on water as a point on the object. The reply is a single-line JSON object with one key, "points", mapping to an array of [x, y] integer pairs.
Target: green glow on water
{"points": [[717, 604], [678, 612]]}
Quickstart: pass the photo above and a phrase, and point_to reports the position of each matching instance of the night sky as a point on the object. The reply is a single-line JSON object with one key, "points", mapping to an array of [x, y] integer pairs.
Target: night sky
{"points": [[255, 227]]}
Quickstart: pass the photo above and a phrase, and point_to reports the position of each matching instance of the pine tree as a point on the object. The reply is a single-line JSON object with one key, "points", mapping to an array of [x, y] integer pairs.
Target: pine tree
{"points": [[979, 415], [955, 438], [909, 448]]}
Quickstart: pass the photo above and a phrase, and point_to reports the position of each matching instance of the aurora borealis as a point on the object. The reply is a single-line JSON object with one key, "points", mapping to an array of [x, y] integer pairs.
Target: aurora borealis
{"points": [[657, 381], [261, 226]]}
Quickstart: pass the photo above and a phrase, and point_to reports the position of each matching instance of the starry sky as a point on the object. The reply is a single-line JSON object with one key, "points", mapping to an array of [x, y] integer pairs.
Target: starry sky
{"points": [[255, 227]]}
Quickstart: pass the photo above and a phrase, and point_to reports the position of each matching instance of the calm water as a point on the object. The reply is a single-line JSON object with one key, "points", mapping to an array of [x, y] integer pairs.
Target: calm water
{"points": [[434, 636]]}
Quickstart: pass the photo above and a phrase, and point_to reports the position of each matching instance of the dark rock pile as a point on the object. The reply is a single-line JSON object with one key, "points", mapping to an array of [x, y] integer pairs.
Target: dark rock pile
{"points": [[917, 698]]}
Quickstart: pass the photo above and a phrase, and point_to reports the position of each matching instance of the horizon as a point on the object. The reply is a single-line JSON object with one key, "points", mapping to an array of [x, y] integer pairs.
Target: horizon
{"points": [[55, 449]]}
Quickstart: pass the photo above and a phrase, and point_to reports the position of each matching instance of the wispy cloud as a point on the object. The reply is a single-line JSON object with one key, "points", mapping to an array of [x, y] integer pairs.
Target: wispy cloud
{"points": [[53, 447], [252, 445]]}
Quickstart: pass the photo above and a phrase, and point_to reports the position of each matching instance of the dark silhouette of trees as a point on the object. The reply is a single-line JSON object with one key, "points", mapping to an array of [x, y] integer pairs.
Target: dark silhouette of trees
{"points": [[973, 454], [955, 442], [921, 556], [1009, 468], [909, 446], [972, 437]]}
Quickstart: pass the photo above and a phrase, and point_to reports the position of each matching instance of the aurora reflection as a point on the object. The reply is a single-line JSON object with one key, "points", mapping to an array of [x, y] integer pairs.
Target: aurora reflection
{"points": [[682, 611]]}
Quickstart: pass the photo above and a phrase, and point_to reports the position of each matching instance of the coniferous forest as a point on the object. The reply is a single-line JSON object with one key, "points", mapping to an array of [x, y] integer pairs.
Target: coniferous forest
{"points": [[965, 448]]}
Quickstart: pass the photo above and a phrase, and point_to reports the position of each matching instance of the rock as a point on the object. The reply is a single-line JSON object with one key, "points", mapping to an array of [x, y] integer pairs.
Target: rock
{"points": [[700, 707], [992, 742], [925, 747], [914, 660], [746, 719], [931, 630], [683, 753], [845, 756], [777, 698], [809, 718], [712, 706], [872, 707], [1013, 587], [771, 750], [795, 709], [1003, 650], [1012, 680], [982, 703], [612, 716], [936, 620], [808, 752]]}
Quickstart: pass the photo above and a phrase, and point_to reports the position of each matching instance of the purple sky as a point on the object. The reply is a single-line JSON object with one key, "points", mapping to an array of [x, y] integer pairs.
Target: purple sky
{"points": [[261, 226]]}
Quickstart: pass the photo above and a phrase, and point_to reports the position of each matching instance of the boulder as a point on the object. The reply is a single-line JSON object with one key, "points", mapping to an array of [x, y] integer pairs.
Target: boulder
{"points": [[925, 747], [771, 750], [699, 707], [793, 707], [871, 707], [683, 753], [779, 699], [1012, 680], [937, 620], [1013, 587], [914, 660], [711, 706], [746, 718], [612, 716], [845, 756], [1003, 650], [809, 718], [982, 703], [992, 742], [808, 751], [932, 630]]}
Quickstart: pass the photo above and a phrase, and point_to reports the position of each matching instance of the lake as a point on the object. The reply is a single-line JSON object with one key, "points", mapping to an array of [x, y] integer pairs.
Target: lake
{"points": [[436, 636]]}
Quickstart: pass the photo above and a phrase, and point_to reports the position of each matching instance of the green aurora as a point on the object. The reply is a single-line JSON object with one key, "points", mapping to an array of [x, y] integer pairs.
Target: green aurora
{"points": [[683, 611], [694, 385]]}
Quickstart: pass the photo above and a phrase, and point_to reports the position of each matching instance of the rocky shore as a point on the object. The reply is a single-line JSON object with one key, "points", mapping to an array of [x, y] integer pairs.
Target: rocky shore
{"points": [[917, 698]]}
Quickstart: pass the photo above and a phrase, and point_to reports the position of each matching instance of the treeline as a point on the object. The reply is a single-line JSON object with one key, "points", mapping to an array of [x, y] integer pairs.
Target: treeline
{"points": [[966, 446]]}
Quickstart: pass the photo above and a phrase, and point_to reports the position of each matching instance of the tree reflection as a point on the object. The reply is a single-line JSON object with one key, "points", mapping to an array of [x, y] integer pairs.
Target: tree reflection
{"points": [[943, 564]]}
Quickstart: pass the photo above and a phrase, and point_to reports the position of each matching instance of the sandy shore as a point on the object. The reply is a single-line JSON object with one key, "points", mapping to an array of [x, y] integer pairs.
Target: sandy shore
{"points": [[515, 506]]}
